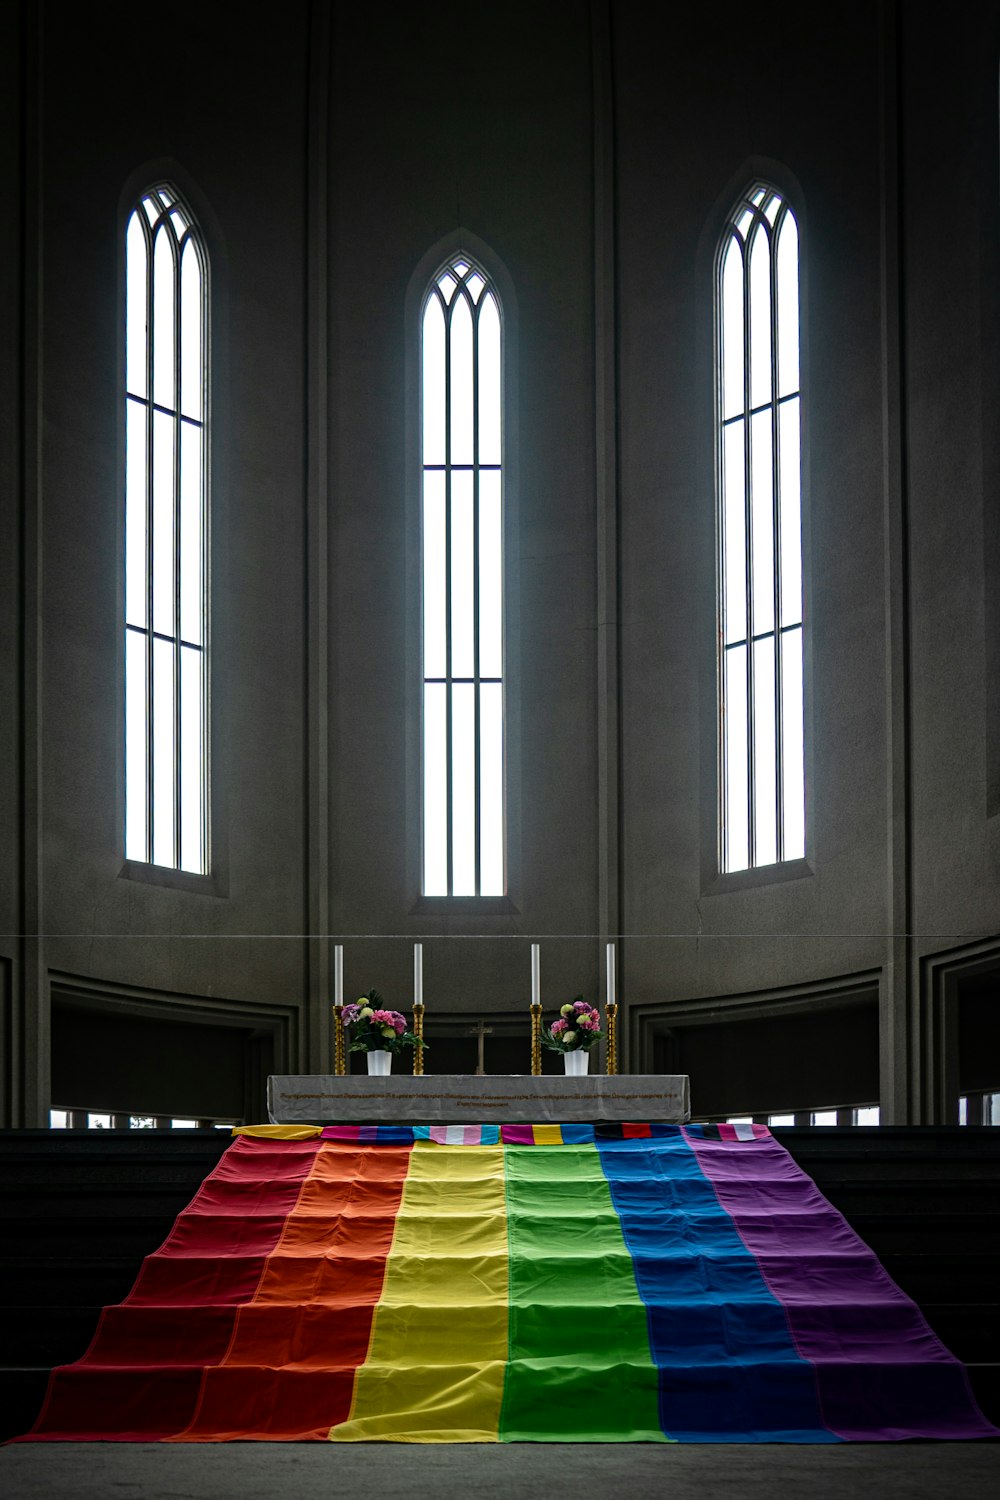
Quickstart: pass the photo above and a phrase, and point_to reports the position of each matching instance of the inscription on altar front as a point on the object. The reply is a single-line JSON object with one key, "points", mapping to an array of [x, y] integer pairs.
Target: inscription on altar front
{"points": [[295, 1099]]}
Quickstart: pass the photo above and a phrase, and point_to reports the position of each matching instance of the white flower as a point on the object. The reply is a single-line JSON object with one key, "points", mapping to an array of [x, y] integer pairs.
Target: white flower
{"points": [[568, 1037]]}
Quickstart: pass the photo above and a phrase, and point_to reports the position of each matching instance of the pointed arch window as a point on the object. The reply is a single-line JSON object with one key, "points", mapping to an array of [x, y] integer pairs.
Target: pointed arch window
{"points": [[762, 792], [166, 535], [462, 563]]}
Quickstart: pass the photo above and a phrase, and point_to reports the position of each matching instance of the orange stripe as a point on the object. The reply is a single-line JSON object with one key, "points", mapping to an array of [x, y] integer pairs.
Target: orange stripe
{"points": [[289, 1371]]}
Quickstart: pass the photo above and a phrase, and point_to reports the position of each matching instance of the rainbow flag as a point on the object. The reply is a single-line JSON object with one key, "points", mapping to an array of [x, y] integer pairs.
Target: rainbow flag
{"points": [[485, 1284]]}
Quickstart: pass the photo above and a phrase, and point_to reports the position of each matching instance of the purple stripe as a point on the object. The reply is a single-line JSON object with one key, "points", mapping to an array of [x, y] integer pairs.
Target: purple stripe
{"points": [[517, 1135], [880, 1370]]}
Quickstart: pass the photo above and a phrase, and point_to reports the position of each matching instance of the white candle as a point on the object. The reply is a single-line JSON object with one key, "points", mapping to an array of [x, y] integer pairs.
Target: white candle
{"points": [[418, 973], [611, 974], [536, 974], [338, 974]]}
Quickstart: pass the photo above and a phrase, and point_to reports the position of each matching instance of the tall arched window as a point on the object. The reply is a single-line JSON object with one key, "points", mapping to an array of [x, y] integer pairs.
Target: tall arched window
{"points": [[461, 390], [166, 523], [762, 792]]}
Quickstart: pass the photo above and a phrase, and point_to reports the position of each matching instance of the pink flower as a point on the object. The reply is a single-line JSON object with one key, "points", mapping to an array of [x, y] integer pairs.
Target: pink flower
{"points": [[350, 1014], [558, 1027]]}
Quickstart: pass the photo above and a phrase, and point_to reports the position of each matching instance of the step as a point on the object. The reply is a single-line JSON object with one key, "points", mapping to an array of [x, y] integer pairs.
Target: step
{"points": [[985, 1382], [937, 1277], [39, 1335], [971, 1330], [942, 1233], [22, 1391], [81, 1235], [77, 1281], [142, 1200], [890, 1143], [47, 1175]]}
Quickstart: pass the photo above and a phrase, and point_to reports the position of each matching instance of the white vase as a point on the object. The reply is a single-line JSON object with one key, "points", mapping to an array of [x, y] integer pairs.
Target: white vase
{"points": [[379, 1063], [576, 1063]]}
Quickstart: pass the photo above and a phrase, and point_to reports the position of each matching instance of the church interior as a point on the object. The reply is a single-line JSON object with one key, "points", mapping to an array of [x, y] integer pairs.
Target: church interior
{"points": [[798, 873]]}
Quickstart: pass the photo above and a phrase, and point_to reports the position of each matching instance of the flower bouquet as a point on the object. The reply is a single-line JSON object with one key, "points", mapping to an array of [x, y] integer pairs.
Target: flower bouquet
{"points": [[573, 1033], [380, 1032]]}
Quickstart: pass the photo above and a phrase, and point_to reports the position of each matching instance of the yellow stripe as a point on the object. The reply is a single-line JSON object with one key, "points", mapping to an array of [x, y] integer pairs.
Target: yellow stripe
{"points": [[280, 1132], [547, 1135], [435, 1366]]}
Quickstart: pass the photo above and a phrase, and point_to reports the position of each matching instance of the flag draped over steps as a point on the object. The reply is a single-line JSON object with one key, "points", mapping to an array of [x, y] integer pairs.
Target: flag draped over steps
{"points": [[516, 1283]]}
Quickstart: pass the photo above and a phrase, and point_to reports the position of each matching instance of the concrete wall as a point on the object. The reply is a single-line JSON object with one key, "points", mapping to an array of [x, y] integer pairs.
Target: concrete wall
{"points": [[591, 152]]}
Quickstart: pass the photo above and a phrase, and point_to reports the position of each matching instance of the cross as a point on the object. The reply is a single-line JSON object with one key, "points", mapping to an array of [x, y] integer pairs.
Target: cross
{"points": [[482, 1031]]}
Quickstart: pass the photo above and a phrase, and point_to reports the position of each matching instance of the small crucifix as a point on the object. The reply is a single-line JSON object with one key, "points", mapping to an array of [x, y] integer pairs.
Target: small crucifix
{"points": [[482, 1031]]}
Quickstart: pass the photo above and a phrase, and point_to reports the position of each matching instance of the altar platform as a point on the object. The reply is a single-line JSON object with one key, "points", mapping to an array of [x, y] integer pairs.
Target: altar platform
{"points": [[460, 1098]]}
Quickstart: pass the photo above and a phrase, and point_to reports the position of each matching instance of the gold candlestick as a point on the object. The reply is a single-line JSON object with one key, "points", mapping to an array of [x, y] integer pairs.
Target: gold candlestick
{"points": [[418, 1030], [612, 1011], [536, 1038], [339, 1055]]}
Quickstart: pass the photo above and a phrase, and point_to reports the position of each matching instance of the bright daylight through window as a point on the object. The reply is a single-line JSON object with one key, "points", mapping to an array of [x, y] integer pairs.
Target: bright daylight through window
{"points": [[762, 792], [166, 665], [462, 584]]}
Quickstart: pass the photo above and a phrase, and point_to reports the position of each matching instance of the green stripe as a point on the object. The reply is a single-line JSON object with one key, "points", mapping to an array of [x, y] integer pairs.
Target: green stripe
{"points": [[579, 1367]]}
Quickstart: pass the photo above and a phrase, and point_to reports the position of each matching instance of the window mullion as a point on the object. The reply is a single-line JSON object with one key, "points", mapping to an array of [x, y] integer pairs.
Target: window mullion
{"points": [[177, 550], [150, 704], [776, 531], [748, 534], [449, 756], [722, 552], [475, 599], [203, 543]]}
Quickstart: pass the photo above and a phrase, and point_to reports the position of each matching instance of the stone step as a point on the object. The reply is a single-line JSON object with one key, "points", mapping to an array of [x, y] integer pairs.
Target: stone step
{"points": [[985, 1381], [123, 1142], [930, 1277], [22, 1391], [34, 1335], [79, 1235], [92, 1280], [890, 1143], [908, 1202], [100, 1202], [971, 1330]]}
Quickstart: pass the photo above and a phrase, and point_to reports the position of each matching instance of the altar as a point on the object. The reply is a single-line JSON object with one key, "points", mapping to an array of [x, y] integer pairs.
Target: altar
{"points": [[461, 1098]]}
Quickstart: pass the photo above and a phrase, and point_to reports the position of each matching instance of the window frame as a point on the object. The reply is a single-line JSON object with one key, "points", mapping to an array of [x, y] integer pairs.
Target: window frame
{"points": [[166, 173], [460, 243], [773, 178]]}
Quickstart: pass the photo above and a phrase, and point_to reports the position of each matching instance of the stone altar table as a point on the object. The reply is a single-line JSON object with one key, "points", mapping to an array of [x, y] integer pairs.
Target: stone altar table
{"points": [[461, 1098]]}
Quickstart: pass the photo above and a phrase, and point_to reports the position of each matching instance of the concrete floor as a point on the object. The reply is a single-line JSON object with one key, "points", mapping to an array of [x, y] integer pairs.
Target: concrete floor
{"points": [[304, 1471]]}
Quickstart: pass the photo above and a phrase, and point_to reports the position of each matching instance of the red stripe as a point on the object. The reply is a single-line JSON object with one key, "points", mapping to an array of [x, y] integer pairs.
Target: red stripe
{"points": [[635, 1132], [141, 1377]]}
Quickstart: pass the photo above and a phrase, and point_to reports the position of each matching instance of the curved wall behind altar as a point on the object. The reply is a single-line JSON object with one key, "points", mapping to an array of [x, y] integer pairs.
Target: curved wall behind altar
{"points": [[592, 150]]}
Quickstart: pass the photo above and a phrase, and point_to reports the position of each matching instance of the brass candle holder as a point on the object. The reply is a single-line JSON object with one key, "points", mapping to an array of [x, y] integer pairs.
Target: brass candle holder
{"points": [[339, 1050], [536, 1038], [418, 1031], [612, 1011]]}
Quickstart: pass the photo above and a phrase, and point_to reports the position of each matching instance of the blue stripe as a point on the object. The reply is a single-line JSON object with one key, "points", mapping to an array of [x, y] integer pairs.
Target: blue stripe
{"points": [[728, 1368]]}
